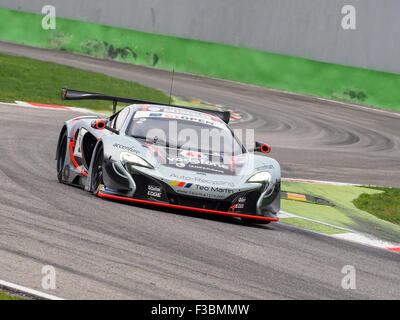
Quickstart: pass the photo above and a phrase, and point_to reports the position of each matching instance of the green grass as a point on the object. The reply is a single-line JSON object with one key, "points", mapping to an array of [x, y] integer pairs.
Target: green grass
{"points": [[36, 81], [384, 205], [345, 213], [298, 222], [4, 296]]}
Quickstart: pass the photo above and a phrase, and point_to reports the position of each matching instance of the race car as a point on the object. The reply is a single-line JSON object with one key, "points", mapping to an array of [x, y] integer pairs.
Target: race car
{"points": [[149, 153]]}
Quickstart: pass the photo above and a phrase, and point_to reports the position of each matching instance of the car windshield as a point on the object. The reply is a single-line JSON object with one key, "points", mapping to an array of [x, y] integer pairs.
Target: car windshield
{"points": [[188, 135]]}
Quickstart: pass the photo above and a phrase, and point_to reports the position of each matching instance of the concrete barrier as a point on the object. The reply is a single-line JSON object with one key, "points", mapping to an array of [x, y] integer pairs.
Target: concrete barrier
{"points": [[206, 58]]}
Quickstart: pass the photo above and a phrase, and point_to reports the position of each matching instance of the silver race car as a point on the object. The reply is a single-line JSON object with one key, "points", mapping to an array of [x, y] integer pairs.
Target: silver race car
{"points": [[170, 156]]}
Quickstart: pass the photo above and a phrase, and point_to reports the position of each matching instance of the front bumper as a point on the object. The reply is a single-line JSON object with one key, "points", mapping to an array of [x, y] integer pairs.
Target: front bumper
{"points": [[174, 206], [260, 203]]}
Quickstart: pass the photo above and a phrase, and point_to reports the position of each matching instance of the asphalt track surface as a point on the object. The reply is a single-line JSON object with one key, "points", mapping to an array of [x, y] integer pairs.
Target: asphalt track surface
{"points": [[105, 249]]}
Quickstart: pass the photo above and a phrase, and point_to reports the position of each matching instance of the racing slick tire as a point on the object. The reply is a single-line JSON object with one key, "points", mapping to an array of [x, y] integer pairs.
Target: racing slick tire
{"points": [[61, 154], [97, 170]]}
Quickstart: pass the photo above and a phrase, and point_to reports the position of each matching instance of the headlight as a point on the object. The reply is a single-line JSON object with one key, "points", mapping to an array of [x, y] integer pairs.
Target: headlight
{"points": [[134, 160], [260, 177]]}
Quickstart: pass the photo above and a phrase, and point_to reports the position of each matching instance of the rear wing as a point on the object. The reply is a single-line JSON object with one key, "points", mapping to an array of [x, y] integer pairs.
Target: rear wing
{"points": [[68, 94]]}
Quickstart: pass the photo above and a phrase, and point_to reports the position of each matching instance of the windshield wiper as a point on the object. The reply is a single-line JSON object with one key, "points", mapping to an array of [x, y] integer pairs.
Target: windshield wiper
{"points": [[164, 143], [138, 137]]}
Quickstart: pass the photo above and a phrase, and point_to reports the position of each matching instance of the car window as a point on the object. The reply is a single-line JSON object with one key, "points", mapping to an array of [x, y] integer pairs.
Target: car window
{"points": [[119, 119], [212, 139]]}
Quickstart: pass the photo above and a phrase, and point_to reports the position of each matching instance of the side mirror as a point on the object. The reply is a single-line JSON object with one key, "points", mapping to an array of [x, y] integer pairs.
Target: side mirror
{"points": [[262, 147], [99, 124]]}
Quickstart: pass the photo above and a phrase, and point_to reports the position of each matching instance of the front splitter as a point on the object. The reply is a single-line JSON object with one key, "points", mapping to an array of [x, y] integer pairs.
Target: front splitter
{"points": [[175, 206]]}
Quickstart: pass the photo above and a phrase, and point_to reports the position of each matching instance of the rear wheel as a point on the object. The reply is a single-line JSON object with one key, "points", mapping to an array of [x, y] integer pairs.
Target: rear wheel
{"points": [[62, 151], [97, 171]]}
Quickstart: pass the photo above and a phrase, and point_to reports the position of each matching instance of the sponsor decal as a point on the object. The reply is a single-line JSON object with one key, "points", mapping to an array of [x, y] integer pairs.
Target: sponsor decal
{"points": [[180, 164], [193, 154], [188, 116], [239, 205], [154, 188], [202, 180], [151, 108], [213, 170], [179, 111], [126, 148], [181, 184], [214, 189], [201, 190], [154, 194], [268, 166], [105, 189], [154, 191], [203, 194], [195, 161]]}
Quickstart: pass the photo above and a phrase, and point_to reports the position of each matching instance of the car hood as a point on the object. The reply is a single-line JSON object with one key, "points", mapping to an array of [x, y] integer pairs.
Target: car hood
{"points": [[209, 163], [192, 173]]}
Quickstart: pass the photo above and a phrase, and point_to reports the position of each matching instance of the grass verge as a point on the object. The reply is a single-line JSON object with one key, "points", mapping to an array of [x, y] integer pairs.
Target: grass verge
{"points": [[32, 80], [5, 296], [37, 81], [345, 213], [310, 225], [385, 205]]}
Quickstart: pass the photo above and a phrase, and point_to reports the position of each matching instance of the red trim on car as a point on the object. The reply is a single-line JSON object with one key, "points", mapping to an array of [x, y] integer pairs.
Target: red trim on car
{"points": [[71, 153], [168, 205]]}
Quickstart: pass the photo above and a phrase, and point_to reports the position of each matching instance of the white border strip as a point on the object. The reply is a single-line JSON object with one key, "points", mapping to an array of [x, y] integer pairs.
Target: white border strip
{"points": [[322, 182], [366, 240], [50, 107], [284, 214], [14, 287], [348, 234]]}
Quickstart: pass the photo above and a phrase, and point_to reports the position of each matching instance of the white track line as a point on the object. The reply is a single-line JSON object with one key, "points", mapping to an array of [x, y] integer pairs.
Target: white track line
{"points": [[284, 215], [31, 292], [348, 234], [321, 182], [50, 107], [367, 240]]}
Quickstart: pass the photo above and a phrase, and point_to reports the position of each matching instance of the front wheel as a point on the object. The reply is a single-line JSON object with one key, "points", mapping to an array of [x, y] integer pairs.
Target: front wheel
{"points": [[62, 151], [97, 171]]}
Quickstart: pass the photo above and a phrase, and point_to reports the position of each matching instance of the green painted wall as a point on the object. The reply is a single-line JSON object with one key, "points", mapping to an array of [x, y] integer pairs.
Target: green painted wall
{"points": [[221, 61]]}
